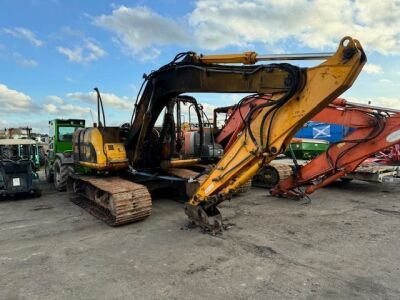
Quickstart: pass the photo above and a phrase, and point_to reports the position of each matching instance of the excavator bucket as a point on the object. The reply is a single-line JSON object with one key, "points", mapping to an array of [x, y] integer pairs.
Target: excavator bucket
{"points": [[209, 221]]}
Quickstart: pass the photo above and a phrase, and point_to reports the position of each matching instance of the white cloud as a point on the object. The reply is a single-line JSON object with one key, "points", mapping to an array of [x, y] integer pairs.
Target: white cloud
{"points": [[55, 105], [90, 51], [24, 33], [16, 105], [17, 58], [150, 55], [140, 28], [12, 101], [72, 111], [50, 108], [388, 102], [109, 100], [372, 69], [385, 80], [27, 63], [24, 62], [71, 32], [216, 24], [95, 52], [86, 107], [55, 99], [74, 55], [315, 24]]}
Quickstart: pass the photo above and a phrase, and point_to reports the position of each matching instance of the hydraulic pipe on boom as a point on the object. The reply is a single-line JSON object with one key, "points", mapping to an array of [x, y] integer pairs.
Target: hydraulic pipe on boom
{"points": [[234, 124], [375, 129], [269, 128], [364, 119]]}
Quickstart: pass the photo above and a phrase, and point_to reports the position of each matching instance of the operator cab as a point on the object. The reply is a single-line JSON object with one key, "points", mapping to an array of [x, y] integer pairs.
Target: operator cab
{"points": [[17, 168], [60, 135]]}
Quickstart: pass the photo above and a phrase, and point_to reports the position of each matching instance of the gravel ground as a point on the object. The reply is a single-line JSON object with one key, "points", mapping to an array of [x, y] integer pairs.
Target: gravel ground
{"points": [[344, 244]]}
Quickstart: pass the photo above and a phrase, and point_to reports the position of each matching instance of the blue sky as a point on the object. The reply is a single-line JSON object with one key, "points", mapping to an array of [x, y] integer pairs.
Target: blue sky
{"points": [[53, 52]]}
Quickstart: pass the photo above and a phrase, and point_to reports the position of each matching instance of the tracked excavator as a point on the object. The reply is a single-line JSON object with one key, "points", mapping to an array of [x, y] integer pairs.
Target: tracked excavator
{"points": [[114, 162], [375, 129], [370, 128]]}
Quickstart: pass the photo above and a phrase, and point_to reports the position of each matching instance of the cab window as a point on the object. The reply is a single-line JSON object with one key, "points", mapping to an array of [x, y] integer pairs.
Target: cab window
{"points": [[65, 133]]}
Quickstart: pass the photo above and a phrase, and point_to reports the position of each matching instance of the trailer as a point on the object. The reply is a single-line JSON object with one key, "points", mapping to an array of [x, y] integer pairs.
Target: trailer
{"points": [[375, 173]]}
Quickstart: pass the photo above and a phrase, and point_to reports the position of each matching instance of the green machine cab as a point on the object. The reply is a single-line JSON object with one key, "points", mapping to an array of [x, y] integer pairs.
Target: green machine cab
{"points": [[59, 161]]}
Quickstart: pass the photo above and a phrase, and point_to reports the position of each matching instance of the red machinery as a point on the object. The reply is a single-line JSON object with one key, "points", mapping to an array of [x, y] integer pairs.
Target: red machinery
{"points": [[375, 129], [394, 153], [235, 121], [389, 156]]}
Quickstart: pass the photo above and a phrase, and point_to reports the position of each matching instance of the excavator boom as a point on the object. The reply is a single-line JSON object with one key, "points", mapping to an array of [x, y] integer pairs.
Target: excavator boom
{"points": [[375, 129], [342, 158], [269, 128]]}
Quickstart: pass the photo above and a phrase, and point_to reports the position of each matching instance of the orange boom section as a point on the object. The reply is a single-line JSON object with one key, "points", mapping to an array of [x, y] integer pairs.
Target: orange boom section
{"points": [[375, 129]]}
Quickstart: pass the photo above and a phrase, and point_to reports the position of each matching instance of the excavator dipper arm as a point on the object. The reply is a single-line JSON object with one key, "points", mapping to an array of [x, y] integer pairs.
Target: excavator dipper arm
{"points": [[270, 127], [374, 131]]}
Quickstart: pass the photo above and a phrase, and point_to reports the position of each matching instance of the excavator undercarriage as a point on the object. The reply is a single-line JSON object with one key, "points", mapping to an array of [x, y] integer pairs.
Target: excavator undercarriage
{"points": [[111, 199]]}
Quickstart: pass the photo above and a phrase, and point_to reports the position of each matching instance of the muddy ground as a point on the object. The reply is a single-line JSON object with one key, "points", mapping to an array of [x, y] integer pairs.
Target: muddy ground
{"points": [[343, 245]]}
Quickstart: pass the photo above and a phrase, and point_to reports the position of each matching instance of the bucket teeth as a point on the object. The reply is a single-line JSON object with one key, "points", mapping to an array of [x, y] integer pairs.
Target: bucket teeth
{"points": [[209, 221]]}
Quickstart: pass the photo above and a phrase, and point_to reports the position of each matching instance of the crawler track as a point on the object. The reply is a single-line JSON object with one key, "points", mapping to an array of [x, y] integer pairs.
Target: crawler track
{"points": [[112, 199]]}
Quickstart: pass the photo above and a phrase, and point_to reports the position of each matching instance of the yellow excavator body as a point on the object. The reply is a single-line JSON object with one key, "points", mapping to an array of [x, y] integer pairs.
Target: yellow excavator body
{"points": [[99, 148], [112, 199]]}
